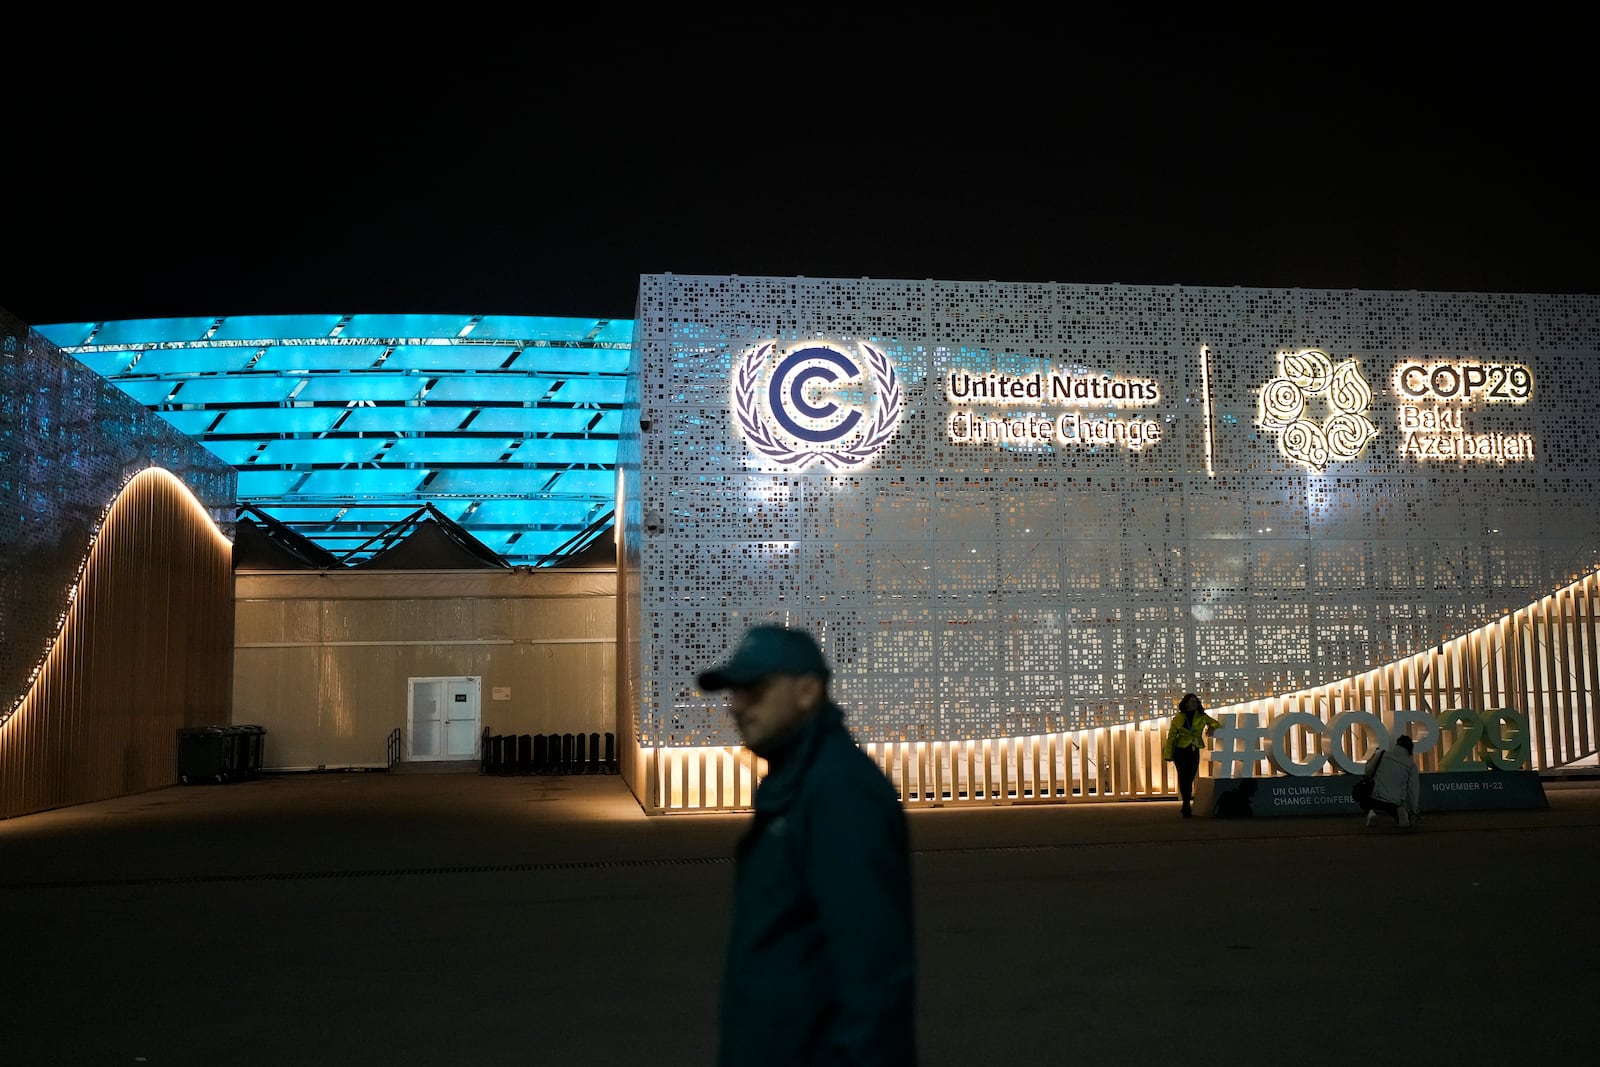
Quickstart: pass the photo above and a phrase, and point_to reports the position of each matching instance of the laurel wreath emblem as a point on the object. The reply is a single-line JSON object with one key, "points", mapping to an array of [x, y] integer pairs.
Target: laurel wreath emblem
{"points": [[747, 410]]}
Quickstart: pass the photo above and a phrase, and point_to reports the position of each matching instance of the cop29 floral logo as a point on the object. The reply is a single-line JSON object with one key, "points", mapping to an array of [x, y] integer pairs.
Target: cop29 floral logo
{"points": [[1287, 410], [811, 403]]}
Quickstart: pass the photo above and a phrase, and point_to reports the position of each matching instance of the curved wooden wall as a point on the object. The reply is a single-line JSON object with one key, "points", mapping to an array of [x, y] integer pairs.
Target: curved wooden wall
{"points": [[146, 648]]}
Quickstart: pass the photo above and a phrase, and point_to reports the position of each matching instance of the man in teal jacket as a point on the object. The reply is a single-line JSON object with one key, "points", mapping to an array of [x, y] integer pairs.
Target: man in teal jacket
{"points": [[820, 965]]}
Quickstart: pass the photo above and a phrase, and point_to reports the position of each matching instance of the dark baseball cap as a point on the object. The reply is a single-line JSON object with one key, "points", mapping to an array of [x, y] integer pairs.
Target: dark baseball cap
{"points": [[765, 651]]}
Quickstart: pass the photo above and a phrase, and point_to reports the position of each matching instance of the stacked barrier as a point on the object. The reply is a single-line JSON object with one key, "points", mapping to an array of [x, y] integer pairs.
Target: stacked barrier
{"points": [[508, 754]]}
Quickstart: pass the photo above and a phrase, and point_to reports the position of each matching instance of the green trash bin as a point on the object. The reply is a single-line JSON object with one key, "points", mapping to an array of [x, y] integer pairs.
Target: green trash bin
{"points": [[249, 746], [204, 754]]}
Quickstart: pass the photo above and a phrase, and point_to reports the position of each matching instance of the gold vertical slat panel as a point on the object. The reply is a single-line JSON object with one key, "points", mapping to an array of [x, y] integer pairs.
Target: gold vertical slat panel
{"points": [[1554, 679], [649, 771], [672, 798], [726, 792], [1567, 656], [1446, 693], [1556, 665], [1472, 687], [1589, 627], [1382, 694], [145, 649], [701, 795], [1117, 739], [720, 779], [1102, 761], [1477, 672], [1491, 657], [1548, 679], [1515, 656]]}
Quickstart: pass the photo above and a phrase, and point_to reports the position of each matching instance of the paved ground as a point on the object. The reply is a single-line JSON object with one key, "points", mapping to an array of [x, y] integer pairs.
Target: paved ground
{"points": [[397, 919]]}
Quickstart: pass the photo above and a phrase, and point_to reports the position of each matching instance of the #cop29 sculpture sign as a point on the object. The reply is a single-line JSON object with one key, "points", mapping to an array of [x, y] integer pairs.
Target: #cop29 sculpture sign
{"points": [[1490, 740]]}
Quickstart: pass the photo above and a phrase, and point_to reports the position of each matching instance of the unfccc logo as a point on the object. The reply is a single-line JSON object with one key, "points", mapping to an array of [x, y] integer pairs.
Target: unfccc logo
{"points": [[804, 414], [1286, 399]]}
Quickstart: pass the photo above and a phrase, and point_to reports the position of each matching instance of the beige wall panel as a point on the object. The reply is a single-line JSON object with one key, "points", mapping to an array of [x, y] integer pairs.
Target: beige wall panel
{"points": [[556, 689], [366, 690], [535, 619], [370, 620], [277, 621], [564, 618], [494, 619], [278, 689], [599, 582], [435, 585]]}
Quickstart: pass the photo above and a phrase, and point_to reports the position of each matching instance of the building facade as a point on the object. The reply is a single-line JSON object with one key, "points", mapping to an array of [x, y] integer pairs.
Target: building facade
{"points": [[1024, 519]]}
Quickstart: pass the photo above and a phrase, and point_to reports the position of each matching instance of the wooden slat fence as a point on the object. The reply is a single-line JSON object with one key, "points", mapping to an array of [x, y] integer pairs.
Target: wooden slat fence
{"points": [[1541, 662]]}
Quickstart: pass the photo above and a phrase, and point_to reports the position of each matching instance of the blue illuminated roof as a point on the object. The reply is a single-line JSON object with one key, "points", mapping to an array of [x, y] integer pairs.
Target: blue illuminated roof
{"points": [[342, 425]]}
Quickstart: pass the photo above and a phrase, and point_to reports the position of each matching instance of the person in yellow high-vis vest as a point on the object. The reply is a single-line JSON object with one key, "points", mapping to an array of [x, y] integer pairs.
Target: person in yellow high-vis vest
{"points": [[1186, 737]]}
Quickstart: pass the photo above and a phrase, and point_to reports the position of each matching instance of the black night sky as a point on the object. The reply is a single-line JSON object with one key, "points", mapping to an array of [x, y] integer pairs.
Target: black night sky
{"points": [[510, 179]]}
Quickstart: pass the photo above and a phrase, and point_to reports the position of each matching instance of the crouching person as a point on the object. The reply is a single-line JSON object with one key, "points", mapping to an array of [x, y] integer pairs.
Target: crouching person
{"points": [[1396, 787]]}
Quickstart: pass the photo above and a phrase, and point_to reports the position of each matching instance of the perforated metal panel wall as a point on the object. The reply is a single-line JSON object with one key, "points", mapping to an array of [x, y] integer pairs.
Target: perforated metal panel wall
{"points": [[1233, 491]]}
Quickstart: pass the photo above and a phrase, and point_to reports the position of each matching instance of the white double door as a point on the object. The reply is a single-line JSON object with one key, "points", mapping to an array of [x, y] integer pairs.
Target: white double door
{"points": [[444, 714]]}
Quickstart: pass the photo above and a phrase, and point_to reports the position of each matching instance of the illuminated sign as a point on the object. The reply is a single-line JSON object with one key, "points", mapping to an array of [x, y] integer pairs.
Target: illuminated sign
{"points": [[838, 404], [1433, 397], [1284, 409], [1072, 427], [807, 404], [1495, 739]]}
